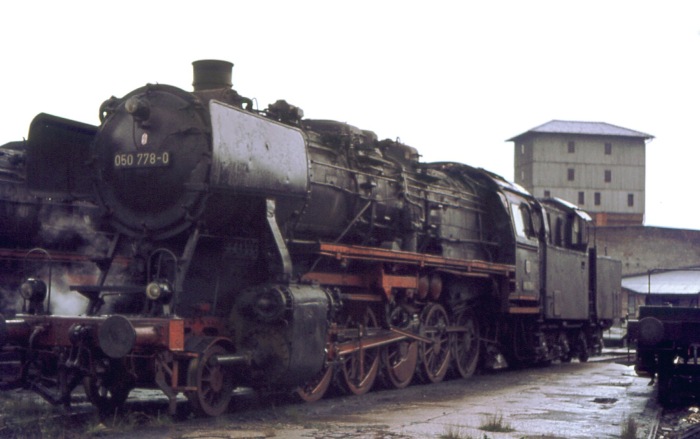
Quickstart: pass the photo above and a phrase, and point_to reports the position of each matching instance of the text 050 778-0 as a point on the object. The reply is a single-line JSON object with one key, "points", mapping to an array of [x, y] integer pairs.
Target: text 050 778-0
{"points": [[141, 159]]}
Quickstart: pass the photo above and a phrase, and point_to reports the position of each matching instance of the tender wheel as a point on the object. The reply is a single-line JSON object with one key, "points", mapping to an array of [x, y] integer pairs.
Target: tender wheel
{"points": [[214, 385], [434, 356], [599, 345], [582, 348], [316, 388], [107, 391], [400, 360], [465, 345], [563, 342], [358, 370]]}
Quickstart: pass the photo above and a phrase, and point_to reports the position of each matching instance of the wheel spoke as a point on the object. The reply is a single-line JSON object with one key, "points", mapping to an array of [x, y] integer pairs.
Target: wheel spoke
{"points": [[359, 369], [400, 362], [214, 386], [316, 388], [435, 359], [465, 345], [108, 392]]}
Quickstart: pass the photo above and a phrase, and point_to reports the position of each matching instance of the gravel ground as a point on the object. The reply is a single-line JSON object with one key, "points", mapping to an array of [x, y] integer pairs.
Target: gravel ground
{"points": [[577, 400]]}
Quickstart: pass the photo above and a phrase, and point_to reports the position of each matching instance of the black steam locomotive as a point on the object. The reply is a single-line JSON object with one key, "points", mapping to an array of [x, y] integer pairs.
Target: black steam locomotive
{"points": [[27, 221], [266, 250]]}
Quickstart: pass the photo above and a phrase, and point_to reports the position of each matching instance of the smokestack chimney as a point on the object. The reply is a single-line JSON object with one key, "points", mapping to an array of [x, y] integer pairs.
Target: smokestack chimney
{"points": [[211, 74]]}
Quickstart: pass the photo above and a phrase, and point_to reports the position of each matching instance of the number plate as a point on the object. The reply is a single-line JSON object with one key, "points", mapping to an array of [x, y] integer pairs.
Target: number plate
{"points": [[142, 159]]}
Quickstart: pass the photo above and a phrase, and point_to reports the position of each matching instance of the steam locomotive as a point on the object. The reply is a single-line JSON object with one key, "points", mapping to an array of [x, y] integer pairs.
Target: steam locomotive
{"points": [[27, 221], [266, 250]]}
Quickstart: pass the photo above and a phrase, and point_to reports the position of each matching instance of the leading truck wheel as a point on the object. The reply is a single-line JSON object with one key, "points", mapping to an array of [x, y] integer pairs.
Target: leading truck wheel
{"points": [[105, 398], [214, 385], [108, 391]]}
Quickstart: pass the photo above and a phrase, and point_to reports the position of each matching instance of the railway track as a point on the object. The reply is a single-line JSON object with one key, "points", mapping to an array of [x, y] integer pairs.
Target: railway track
{"points": [[676, 423]]}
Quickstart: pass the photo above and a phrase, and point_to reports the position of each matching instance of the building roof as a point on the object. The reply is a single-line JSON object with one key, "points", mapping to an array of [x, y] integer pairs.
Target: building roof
{"points": [[665, 282], [583, 128]]}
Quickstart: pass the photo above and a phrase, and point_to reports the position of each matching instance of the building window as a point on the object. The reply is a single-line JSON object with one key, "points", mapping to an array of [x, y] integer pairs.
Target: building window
{"points": [[630, 200], [581, 198], [522, 148], [570, 174], [547, 194], [571, 146], [608, 148], [596, 198], [608, 175]]}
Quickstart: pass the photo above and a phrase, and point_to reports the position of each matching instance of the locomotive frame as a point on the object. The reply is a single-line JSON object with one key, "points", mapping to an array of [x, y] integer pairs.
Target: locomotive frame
{"points": [[267, 250]]}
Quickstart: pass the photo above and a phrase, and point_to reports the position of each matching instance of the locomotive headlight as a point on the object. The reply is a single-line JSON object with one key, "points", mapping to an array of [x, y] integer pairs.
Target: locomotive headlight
{"points": [[158, 291], [33, 290]]}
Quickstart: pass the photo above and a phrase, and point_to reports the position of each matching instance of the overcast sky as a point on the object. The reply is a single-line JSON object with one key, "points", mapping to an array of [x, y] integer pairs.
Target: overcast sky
{"points": [[453, 79]]}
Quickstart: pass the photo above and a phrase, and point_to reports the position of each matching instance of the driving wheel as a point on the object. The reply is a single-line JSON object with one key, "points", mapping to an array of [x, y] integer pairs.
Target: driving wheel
{"points": [[358, 370], [434, 355], [316, 388], [400, 360], [465, 345]]}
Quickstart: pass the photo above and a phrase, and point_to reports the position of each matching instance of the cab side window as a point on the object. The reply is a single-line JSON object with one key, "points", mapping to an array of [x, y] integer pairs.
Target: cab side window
{"points": [[527, 224], [578, 233], [526, 220], [559, 232]]}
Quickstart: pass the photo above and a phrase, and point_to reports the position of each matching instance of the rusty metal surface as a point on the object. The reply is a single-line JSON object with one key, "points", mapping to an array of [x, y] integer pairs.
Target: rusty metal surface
{"points": [[54, 331], [341, 251]]}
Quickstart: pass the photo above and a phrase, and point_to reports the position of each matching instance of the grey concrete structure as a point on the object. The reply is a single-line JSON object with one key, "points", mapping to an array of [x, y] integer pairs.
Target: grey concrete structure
{"points": [[649, 248], [599, 166]]}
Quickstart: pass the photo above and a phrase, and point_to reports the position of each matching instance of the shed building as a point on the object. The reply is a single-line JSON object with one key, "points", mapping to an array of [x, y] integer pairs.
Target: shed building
{"points": [[661, 287]]}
